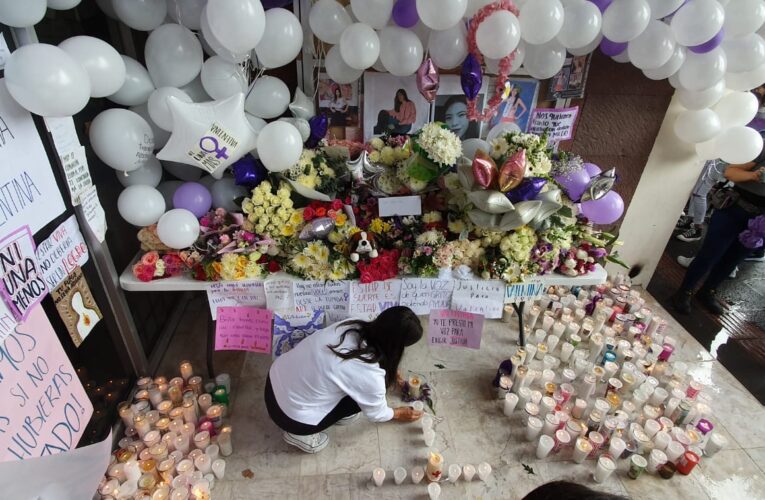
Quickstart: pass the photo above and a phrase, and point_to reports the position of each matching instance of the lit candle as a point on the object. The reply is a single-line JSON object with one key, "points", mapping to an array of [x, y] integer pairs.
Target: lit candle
{"points": [[141, 425], [127, 489], [616, 447], [132, 470], [189, 412], [215, 415], [511, 401], [175, 393], [551, 424], [604, 468], [205, 401], [181, 444], [201, 491], [582, 449], [533, 428], [151, 438], [505, 384], [158, 452], [435, 466], [552, 342], [161, 493], [166, 469], [203, 463], [164, 407], [155, 396], [143, 382], [415, 386], [378, 476], [562, 440], [544, 446], [566, 349], [186, 370], [202, 440], [126, 413], [468, 471], [117, 471], [558, 329], [195, 384], [531, 351], [533, 315], [579, 406], [219, 468], [185, 467]]}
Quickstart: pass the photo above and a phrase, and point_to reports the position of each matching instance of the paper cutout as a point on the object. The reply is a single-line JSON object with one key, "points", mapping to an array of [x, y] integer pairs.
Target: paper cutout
{"points": [[76, 306], [455, 329], [93, 212], [370, 299], [330, 297], [291, 328], [245, 328], [422, 295], [62, 252], [23, 285], [239, 293], [485, 297]]}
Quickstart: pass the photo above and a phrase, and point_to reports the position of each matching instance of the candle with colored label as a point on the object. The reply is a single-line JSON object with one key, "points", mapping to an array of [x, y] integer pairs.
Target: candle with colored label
{"points": [[435, 466]]}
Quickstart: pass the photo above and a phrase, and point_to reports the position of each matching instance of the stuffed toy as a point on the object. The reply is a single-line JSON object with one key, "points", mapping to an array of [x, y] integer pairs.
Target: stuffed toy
{"points": [[363, 243]]}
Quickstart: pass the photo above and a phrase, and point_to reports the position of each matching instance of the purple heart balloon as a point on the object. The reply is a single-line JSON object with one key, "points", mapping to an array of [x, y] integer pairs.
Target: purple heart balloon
{"points": [[319, 125], [471, 77], [528, 189], [574, 183], [249, 172], [710, 44], [612, 49], [405, 13]]}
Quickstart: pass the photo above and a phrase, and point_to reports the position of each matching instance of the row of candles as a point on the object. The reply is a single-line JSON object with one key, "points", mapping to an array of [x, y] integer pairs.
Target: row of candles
{"points": [[175, 438], [596, 378]]}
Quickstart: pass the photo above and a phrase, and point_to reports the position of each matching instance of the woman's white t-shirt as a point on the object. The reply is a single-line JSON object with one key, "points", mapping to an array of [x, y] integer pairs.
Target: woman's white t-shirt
{"points": [[310, 380]]}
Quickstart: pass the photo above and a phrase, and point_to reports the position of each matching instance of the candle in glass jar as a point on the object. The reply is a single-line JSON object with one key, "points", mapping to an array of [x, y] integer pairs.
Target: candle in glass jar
{"points": [[435, 466], [181, 443], [204, 401], [215, 415], [126, 413], [203, 463], [186, 370], [166, 468], [164, 407], [582, 449], [158, 452], [604, 468], [202, 440], [533, 428], [151, 438], [224, 441], [189, 412], [551, 424], [558, 329], [195, 384], [531, 352], [579, 406], [415, 385], [141, 425], [505, 384], [566, 349], [511, 401], [532, 316], [175, 393]]}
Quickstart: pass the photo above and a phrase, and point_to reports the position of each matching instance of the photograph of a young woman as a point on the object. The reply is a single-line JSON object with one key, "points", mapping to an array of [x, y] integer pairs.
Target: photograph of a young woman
{"points": [[519, 104], [393, 105], [452, 110], [398, 120], [338, 108]]}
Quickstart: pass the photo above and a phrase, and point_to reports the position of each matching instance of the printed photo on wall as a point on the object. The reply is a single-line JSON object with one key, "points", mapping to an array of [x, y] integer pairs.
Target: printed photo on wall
{"points": [[569, 82], [450, 107], [392, 105], [340, 102], [519, 103]]}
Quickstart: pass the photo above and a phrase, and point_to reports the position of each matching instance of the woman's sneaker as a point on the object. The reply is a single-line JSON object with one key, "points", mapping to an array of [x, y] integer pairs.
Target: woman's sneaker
{"points": [[348, 420], [693, 233], [683, 223], [313, 443]]}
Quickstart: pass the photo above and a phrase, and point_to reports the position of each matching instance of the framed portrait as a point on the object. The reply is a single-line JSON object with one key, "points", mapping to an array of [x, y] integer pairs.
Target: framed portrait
{"points": [[450, 107], [393, 105], [340, 102], [519, 104], [569, 82]]}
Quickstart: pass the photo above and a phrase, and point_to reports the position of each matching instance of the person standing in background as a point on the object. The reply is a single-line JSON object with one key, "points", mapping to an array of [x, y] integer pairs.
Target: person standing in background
{"points": [[692, 224]]}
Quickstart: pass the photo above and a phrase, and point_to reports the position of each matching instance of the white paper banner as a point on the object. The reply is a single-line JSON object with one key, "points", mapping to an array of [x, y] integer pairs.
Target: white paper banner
{"points": [[370, 299], [422, 295], [330, 297], [279, 294], [479, 297], [239, 293]]}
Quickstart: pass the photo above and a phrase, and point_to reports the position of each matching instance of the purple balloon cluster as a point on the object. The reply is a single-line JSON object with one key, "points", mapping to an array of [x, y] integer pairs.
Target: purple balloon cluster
{"points": [[605, 210]]}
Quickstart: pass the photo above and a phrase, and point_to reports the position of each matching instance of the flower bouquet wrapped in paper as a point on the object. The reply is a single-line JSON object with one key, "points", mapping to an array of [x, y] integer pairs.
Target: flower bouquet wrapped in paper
{"points": [[435, 150]]}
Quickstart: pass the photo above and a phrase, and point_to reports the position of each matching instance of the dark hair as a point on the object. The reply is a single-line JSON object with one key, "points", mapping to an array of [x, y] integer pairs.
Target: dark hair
{"points": [[396, 104], [473, 130], [383, 340], [566, 490], [337, 90]]}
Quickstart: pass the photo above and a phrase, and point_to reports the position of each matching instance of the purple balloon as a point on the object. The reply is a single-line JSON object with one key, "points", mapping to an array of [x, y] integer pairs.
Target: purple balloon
{"points": [[574, 183], [592, 169], [249, 172], [605, 210], [602, 4], [528, 189], [710, 44], [194, 197], [471, 77], [612, 49], [319, 125], [405, 13]]}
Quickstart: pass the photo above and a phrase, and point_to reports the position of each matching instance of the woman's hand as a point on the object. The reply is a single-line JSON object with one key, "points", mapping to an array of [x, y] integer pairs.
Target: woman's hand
{"points": [[406, 414]]}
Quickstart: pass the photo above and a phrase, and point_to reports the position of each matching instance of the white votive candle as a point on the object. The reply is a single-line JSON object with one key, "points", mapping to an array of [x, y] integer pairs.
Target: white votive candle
{"points": [[484, 471], [455, 471], [429, 437], [399, 474], [544, 446], [511, 401], [582, 448], [219, 468], [551, 424], [203, 463], [616, 447], [604, 467], [533, 428], [417, 474], [378, 476], [468, 471], [715, 443], [566, 349], [434, 491], [656, 459]]}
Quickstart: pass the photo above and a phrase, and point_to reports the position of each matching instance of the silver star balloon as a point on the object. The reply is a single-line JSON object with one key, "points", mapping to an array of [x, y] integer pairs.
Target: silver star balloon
{"points": [[362, 169], [599, 185]]}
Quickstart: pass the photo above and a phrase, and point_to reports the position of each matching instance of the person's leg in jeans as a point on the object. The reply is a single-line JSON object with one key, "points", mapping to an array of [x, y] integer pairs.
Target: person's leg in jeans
{"points": [[697, 209]]}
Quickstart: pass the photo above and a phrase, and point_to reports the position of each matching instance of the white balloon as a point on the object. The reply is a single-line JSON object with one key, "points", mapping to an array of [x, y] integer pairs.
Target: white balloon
{"points": [[137, 87], [46, 81], [216, 46], [167, 189], [63, 4], [697, 125], [183, 171], [653, 47], [159, 110], [540, 20], [282, 39], [498, 34], [186, 12], [328, 19], [448, 48], [662, 8], [474, 6], [707, 150], [302, 106], [196, 90], [178, 228], [338, 70], [173, 55], [581, 24], [222, 79], [121, 139], [470, 146], [440, 14], [670, 67], [148, 175], [743, 17], [701, 71], [267, 98], [623, 57], [697, 22], [375, 13], [736, 108], [106, 69], [744, 53], [739, 145], [746, 80], [160, 135], [300, 124], [279, 146], [209, 135], [583, 51], [140, 205], [700, 99], [141, 15], [224, 192], [20, 14], [207, 181], [674, 80], [256, 123], [624, 20], [543, 61], [237, 24], [359, 46], [400, 50], [422, 32]]}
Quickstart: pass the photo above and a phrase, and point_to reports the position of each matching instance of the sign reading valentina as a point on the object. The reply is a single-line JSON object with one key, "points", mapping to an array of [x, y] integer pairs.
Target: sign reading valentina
{"points": [[23, 285], [45, 408]]}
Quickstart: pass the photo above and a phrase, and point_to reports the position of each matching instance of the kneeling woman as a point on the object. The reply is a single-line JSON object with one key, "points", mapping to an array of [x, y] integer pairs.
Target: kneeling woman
{"points": [[338, 372]]}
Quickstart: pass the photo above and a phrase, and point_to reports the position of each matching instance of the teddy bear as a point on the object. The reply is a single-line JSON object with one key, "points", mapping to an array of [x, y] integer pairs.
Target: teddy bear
{"points": [[363, 243]]}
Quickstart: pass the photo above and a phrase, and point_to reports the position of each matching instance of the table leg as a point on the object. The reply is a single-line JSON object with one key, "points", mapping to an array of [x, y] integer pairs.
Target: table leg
{"points": [[519, 308], [210, 344]]}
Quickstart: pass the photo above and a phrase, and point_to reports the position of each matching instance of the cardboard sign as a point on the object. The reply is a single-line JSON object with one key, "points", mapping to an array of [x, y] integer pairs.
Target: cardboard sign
{"points": [[422, 295], [399, 205], [291, 328], [370, 299], [62, 252], [530, 289], [94, 212], [558, 122], [76, 306], [455, 329], [330, 297], [279, 294], [239, 293], [28, 191], [76, 171], [23, 285], [243, 329], [484, 297], [45, 408]]}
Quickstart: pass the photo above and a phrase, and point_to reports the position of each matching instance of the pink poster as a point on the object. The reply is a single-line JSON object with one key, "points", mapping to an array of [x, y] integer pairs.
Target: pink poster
{"points": [[45, 409], [455, 328], [242, 328], [23, 285]]}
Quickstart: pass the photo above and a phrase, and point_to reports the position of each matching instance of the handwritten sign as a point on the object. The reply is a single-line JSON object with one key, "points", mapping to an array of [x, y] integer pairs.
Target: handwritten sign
{"points": [[23, 285], [77, 173], [28, 191], [94, 212], [422, 295], [558, 122], [76, 306], [63, 132], [62, 252], [240, 293], [242, 328], [370, 299], [291, 328], [330, 297], [455, 329], [45, 409], [279, 294], [483, 297], [530, 289], [399, 205]]}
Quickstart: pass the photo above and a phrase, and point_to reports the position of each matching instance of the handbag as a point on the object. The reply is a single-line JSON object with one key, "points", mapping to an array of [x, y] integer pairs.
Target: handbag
{"points": [[723, 196]]}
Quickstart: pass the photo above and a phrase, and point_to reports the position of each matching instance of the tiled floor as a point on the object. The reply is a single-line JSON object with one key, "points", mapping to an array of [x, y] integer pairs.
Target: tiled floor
{"points": [[470, 428]]}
